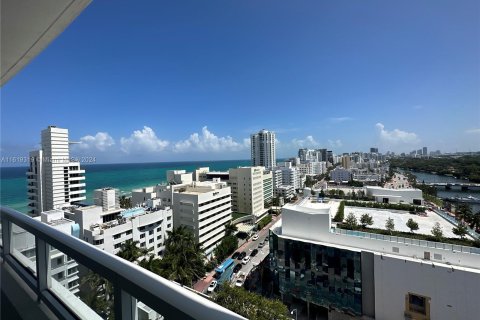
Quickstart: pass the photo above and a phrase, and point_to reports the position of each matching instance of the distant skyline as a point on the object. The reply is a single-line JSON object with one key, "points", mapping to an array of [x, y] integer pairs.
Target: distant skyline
{"points": [[185, 80]]}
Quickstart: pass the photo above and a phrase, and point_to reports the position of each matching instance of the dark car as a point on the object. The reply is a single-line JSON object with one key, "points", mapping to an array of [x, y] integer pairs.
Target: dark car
{"points": [[235, 255], [237, 268], [242, 255], [254, 253]]}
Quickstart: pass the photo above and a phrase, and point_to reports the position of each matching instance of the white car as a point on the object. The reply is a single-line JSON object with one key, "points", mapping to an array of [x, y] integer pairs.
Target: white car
{"points": [[240, 279], [212, 286], [246, 259], [255, 237]]}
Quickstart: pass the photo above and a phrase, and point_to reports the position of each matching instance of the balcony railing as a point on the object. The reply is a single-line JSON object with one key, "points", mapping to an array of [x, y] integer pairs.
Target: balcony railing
{"points": [[409, 241], [131, 283]]}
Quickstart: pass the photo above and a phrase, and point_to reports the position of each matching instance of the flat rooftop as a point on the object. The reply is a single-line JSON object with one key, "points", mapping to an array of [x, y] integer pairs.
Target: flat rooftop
{"points": [[400, 218]]}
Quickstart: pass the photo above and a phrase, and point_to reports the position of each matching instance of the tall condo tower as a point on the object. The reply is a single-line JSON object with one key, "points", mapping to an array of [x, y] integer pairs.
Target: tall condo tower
{"points": [[263, 149], [53, 180]]}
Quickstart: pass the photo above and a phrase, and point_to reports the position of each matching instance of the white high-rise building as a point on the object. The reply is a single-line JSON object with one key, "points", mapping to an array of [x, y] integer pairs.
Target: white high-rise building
{"points": [[248, 190], [53, 180], [205, 208], [107, 198], [263, 149]]}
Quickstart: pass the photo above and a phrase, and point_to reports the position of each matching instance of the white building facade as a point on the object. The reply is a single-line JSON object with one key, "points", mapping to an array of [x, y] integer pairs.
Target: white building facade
{"points": [[53, 180], [263, 150], [248, 190], [350, 274]]}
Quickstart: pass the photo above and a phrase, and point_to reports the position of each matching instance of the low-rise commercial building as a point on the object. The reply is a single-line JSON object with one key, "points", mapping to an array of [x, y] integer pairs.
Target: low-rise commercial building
{"points": [[340, 174], [385, 195], [349, 273]]}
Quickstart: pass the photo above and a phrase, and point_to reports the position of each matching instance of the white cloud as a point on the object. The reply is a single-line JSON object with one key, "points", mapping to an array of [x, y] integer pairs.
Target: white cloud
{"points": [[396, 136], [209, 142], [309, 141], [473, 131], [340, 119], [101, 141], [335, 143], [144, 141]]}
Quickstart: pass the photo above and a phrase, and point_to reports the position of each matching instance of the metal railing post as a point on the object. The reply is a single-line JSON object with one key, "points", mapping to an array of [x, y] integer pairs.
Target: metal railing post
{"points": [[6, 236], [42, 250], [125, 305]]}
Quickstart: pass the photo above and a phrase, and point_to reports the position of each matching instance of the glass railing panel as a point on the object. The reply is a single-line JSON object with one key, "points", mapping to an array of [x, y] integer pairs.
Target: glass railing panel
{"points": [[23, 248], [84, 292]]}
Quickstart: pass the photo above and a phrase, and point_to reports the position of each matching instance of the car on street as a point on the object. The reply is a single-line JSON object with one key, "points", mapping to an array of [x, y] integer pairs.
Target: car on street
{"points": [[255, 237], [235, 255], [240, 279], [237, 268], [261, 244], [242, 255], [212, 286], [246, 259], [254, 253]]}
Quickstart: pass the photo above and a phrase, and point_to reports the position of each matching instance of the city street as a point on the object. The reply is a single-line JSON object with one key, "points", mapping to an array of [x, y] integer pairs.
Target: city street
{"points": [[248, 247]]}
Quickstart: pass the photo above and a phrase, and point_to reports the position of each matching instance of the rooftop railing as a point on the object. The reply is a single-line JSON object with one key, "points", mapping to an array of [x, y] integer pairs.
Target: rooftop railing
{"points": [[131, 283], [409, 241]]}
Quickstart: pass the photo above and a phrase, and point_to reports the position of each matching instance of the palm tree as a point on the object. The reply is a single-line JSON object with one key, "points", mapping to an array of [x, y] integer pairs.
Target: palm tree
{"points": [[184, 260], [151, 263], [475, 221], [464, 212], [130, 251], [230, 229], [97, 293]]}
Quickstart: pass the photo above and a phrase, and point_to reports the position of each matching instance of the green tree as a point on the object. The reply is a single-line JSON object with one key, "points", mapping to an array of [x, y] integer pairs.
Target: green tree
{"points": [[130, 251], [321, 194], [250, 305], [475, 221], [464, 212], [437, 231], [312, 192], [460, 230], [366, 220], [228, 245], [390, 225], [412, 225], [230, 229], [351, 221], [152, 264], [183, 260], [97, 293], [125, 203], [340, 212]]}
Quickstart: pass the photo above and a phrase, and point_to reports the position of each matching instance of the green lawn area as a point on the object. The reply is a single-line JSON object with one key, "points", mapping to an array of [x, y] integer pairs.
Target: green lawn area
{"points": [[236, 215]]}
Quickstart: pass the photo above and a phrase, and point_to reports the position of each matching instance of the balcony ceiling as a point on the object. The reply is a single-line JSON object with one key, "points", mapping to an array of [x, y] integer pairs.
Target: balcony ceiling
{"points": [[28, 26]]}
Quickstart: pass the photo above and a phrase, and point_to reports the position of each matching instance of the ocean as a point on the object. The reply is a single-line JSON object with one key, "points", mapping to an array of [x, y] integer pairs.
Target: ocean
{"points": [[125, 177]]}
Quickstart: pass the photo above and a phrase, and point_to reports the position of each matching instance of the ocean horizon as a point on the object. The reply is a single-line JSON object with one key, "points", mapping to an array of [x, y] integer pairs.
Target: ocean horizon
{"points": [[123, 176]]}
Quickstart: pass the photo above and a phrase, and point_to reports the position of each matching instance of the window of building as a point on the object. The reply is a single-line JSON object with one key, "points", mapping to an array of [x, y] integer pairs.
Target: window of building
{"points": [[417, 305], [97, 242], [128, 232], [150, 232], [159, 229], [142, 244], [150, 241], [117, 236], [60, 276], [169, 218], [142, 236], [118, 245], [59, 261], [159, 237], [169, 225], [72, 270]]}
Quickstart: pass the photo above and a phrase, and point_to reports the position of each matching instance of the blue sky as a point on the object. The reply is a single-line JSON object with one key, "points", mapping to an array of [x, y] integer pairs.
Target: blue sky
{"points": [[141, 81]]}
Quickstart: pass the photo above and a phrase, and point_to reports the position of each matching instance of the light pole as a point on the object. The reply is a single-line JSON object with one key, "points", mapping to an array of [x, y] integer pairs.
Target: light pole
{"points": [[294, 310]]}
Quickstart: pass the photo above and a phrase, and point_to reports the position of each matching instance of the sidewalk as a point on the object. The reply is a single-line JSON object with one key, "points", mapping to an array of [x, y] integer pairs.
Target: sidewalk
{"points": [[202, 285]]}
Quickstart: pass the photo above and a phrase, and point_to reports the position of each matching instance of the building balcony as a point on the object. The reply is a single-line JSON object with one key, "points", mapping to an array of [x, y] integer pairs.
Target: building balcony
{"points": [[30, 290]]}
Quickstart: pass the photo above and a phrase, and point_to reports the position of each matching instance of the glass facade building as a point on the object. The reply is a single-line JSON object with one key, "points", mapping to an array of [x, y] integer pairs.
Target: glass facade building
{"points": [[326, 276]]}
